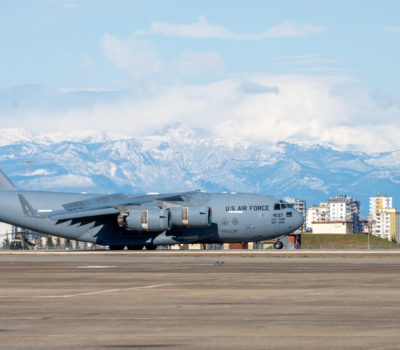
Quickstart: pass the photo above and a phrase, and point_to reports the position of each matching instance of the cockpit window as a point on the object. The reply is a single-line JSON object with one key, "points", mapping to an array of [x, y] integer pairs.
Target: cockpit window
{"points": [[277, 206], [290, 205], [283, 206]]}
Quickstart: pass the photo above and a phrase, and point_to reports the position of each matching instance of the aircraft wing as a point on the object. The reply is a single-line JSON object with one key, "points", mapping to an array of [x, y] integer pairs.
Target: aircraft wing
{"points": [[65, 215], [98, 206], [119, 200]]}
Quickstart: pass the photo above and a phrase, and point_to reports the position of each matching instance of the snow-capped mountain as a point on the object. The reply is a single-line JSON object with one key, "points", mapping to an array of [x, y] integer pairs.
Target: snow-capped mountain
{"points": [[179, 158]]}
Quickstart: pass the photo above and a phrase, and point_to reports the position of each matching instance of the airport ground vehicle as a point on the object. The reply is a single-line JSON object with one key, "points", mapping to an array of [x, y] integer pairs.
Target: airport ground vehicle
{"points": [[20, 242]]}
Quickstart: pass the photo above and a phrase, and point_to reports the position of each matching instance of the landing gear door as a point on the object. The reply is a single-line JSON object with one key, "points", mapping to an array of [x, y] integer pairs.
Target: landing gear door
{"points": [[248, 229]]}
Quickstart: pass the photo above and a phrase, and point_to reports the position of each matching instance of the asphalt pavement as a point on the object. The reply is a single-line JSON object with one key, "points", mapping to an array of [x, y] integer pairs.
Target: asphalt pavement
{"points": [[150, 301]]}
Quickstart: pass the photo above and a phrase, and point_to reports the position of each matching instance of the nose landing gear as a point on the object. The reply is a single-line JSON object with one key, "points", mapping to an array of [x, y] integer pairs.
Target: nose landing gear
{"points": [[278, 245]]}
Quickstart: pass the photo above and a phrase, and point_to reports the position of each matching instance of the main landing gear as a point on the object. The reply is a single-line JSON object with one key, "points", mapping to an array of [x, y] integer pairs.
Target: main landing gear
{"points": [[278, 245], [133, 247], [117, 247]]}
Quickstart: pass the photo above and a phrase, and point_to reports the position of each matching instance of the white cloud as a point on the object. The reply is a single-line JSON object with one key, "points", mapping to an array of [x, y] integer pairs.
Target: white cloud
{"points": [[140, 60], [134, 56], [41, 172], [203, 29], [304, 109], [192, 63], [292, 30], [310, 63], [304, 60], [63, 181], [393, 30], [200, 29]]}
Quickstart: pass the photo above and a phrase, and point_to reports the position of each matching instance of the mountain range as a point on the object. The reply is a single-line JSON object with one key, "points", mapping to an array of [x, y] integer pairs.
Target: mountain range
{"points": [[179, 158]]}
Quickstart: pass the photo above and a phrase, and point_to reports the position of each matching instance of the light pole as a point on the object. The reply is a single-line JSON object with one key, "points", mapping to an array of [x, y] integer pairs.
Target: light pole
{"points": [[30, 162], [371, 227]]}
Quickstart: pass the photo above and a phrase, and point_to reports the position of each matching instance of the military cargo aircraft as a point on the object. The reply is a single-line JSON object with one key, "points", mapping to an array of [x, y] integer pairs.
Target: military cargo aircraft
{"points": [[150, 220]]}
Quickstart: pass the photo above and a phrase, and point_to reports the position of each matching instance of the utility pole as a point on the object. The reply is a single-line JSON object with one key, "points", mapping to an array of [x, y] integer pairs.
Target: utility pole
{"points": [[30, 162]]}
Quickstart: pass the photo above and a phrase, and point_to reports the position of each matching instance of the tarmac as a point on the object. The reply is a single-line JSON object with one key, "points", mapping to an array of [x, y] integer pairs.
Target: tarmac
{"points": [[147, 300]]}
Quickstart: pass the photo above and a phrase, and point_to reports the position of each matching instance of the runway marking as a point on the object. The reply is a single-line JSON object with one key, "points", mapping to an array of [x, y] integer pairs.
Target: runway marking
{"points": [[95, 267], [104, 291]]}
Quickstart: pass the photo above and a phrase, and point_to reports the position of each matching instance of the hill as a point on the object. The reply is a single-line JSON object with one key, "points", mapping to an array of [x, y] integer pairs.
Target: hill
{"points": [[356, 241]]}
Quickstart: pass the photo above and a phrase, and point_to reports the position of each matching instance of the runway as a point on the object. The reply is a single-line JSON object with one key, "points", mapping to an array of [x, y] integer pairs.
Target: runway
{"points": [[150, 301]]}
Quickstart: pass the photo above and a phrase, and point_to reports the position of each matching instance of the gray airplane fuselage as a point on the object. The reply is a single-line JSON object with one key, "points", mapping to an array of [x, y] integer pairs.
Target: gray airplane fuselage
{"points": [[235, 218]]}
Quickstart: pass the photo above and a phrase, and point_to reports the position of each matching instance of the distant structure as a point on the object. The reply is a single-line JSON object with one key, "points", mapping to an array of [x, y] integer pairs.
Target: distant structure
{"points": [[6, 233], [300, 206], [379, 202], [397, 235], [365, 225], [316, 213], [343, 208], [340, 214], [333, 227], [382, 216]]}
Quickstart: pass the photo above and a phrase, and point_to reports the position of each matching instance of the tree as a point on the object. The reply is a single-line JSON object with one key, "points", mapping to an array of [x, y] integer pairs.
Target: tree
{"points": [[49, 242], [68, 244], [6, 243], [58, 243]]}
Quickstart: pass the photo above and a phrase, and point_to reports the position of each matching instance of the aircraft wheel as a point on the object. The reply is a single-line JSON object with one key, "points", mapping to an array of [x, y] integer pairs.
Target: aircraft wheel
{"points": [[278, 245], [151, 247], [117, 247], [135, 247]]}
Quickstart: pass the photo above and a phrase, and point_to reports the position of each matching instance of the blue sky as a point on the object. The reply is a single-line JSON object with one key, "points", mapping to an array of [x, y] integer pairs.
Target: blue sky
{"points": [[311, 71]]}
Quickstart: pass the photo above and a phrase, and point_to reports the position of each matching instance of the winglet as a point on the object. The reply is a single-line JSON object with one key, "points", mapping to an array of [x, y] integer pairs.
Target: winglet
{"points": [[5, 183], [27, 207]]}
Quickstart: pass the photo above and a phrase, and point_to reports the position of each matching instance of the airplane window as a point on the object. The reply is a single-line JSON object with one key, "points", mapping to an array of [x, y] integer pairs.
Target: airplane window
{"points": [[283, 206], [277, 206], [289, 214]]}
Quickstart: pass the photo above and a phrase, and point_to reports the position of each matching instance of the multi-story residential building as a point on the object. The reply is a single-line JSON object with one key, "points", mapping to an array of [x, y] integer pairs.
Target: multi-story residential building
{"points": [[316, 213], [382, 216], [397, 234], [300, 206], [365, 225], [385, 224], [379, 202], [344, 208]]}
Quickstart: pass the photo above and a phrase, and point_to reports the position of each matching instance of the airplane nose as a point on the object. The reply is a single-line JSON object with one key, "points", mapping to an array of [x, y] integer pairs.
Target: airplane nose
{"points": [[299, 220]]}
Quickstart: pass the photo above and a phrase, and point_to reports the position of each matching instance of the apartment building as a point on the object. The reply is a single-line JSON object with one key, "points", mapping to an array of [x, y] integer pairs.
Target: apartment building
{"points": [[316, 213], [382, 216], [344, 208]]}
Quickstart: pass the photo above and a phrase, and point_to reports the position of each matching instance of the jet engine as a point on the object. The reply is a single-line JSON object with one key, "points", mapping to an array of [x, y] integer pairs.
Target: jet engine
{"points": [[146, 220], [191, 216]]}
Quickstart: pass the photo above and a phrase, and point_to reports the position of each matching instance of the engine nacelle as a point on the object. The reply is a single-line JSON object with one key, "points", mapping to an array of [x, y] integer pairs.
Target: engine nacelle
{"points": [[191, 216], [146, 220]]}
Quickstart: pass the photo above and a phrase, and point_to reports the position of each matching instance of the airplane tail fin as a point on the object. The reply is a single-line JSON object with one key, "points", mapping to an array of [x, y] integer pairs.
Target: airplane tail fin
{"points": [[27, 207], [5, 183]]}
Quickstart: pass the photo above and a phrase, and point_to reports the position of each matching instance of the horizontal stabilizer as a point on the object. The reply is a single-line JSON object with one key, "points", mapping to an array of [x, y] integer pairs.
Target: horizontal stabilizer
{"points": [[5, 183]]}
